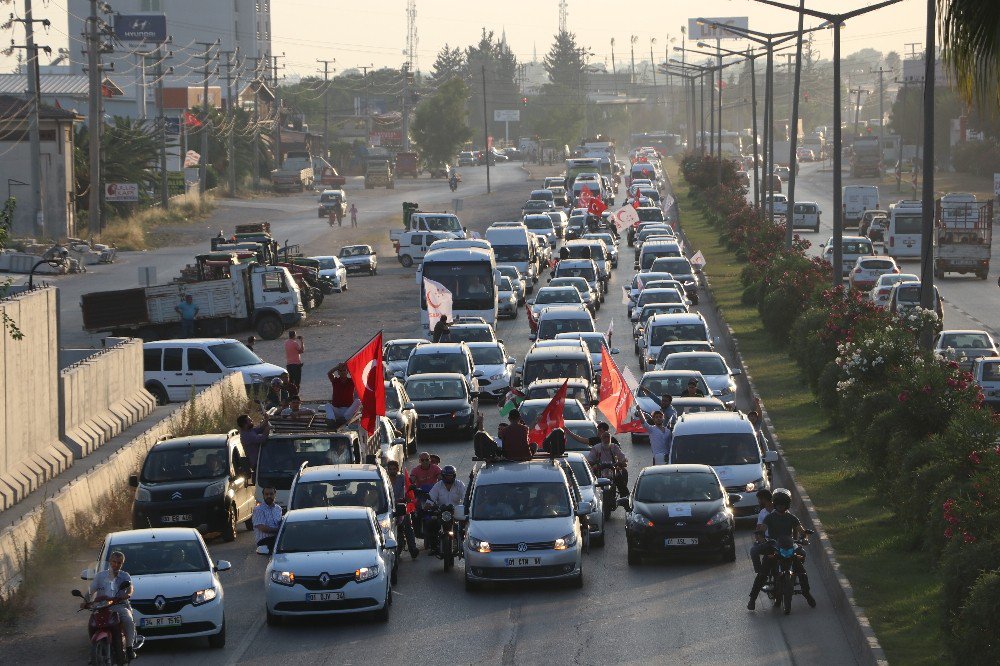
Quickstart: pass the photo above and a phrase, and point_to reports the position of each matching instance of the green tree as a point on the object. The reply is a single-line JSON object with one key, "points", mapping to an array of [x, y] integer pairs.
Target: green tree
{"points": [[130, 153], [908, 116], [564, 62], [970, 40], [439, 127], [493, 58], [556, 115], [449, 64]]}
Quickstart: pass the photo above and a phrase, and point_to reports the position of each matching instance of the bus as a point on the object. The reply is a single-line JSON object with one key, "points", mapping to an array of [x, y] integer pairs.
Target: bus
{"points": [[665, 144], [470, 274]]}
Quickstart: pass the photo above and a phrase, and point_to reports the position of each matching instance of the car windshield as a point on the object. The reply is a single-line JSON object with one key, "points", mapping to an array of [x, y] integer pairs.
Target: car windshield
{"points": [[327, 263], [586, 272], [675, 266], [908, 294], [647, 214], [581, 470], [568, 295], [648, 297], [519, 501], [678, 487], [234, 355], [161, 557], [355, 251], [593, 342], [487, 356], [510, 252], [400, 351], [706, 365], [676, 333], [595, 251], [965, 341], [189, 463], [908, 224], [311, 536], [282, 457], [572, 411], [535, 369], [572, 392], [858, 247], [436, 362], [471, 334], [506, 284], [538, 223], [577, 283], [550, 327], [691, 409], [443, 223], [675, 348], [368, 492], [435, 389], [671, 385], [391, 398], [650, 310], [716, 449], [991, 371]]}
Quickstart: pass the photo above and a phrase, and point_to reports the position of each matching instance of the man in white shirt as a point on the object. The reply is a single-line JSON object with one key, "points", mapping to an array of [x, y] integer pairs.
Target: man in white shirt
{"points": [[115, 583], [659, 434], [760, 539], [448, 491], [266, 521]]}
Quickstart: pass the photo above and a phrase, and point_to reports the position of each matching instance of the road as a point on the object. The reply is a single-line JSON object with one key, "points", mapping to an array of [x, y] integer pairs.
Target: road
{"points": [[690, 611], [964, 295]]}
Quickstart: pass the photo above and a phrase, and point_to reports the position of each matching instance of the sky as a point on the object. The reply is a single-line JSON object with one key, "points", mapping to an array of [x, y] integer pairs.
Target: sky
{"points": [[357, 33]]}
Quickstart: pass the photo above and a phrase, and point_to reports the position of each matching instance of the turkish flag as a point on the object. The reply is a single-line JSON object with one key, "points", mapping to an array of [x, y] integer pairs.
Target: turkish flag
{"points": [[550, 418], [585, 196], [532, 322], [635, 200], [191, 120], [596, 207], [615, 398], [369, 381]]}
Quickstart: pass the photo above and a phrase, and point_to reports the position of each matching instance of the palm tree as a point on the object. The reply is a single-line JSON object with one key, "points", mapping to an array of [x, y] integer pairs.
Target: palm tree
{"points": [[970, 40]]}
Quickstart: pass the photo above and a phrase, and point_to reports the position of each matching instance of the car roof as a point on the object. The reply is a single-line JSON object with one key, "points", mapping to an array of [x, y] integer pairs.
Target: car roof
{"points": [[364, 245], [345, 471], [408, 341], [439, 348], [515, 472], [325, 512], [964, 331], [485, 343], [155, 534], [560, 351], [677, 318], [698, 354], [437, 376], [192, 440], [683, 401], [713, 422], [575, 263], [670, 373], [561, 311], [546, 383], [187, 342], [678, 469], [470, 324]]}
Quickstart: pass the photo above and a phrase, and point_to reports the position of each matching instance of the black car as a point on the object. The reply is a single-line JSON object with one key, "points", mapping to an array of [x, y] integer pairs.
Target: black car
{"points": [[443, 403], [576, 228], [201, 481], [676, 509]]}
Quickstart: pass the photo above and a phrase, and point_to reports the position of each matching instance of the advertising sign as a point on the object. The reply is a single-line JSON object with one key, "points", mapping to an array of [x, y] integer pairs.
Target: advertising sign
{"points": [[698, 28], [121, 192], [508, 115], [136, 29]]}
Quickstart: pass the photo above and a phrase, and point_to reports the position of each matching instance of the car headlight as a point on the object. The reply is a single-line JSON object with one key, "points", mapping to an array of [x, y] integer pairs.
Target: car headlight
{"points": [[479, 545], [203, 596], [496, 377], [142, 495], [215, 489], [754, 485], [464, 412], [720, 518], [283, 578], [365, 573], [386, 525], [725, 390], [639, 521], [564, 542]]}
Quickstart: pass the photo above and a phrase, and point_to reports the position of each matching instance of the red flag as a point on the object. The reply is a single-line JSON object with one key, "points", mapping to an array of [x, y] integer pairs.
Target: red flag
{"points": [[635, 200], [585, 196], [369, 381], [191, 120], [550, 418], [532, 322], [615, 398], [596, 207]]}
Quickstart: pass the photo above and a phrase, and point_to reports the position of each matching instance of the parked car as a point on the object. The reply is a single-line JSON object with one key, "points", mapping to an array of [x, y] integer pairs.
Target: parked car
{"points": [[333, 271], [359, 259]]}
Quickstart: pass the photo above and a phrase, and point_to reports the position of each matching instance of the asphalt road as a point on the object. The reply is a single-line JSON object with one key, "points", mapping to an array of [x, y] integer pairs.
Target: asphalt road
{"points": [[964, 295], [689, 611]]}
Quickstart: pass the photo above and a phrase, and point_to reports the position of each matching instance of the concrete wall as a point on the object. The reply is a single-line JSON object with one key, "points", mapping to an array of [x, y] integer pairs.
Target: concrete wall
{"points": [[101, 396], [58, 515], [57, 181], [30, 450]]}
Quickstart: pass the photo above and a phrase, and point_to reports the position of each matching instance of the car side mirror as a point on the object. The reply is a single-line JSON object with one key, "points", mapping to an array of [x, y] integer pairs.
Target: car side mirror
{"points": [[771, 457], [87, 574], [625, 503], [615, 350], [603, 483], [735, 499], [459, 512], [408, 405], [477, 373], [736, 372], [77, 593], [133, 480], [511, 360], [223, 565], [531, 301], [399, 374], [584, 508], [390, 544]]}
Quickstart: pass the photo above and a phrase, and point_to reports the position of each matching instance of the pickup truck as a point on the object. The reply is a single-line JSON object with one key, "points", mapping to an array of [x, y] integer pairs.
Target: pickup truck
{"points": [[420, 229], [963, 235], [378, 173], [326, 176], [265, 298], [408, 164], [296, 173]]}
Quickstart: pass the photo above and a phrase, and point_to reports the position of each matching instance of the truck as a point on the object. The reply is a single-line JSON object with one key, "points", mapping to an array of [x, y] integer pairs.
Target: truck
{"points": [[265, 298], [408, 164], [866, 157], [326, 176], [295, 174], [420, 229], [378, 173], [963, 235], [816, 142]]}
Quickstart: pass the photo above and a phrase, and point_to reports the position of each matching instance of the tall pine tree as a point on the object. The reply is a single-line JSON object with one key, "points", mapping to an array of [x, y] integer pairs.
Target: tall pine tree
{"points": [[449, 64], [494, 58], [565, 62]]}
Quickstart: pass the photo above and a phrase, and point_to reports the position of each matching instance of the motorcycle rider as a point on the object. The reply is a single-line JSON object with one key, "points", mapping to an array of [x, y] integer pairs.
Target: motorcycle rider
{"points": [[605, 449], [448, 491], [760, 539], [453, 180], [781, 526], [114, 583], [402, 493]]}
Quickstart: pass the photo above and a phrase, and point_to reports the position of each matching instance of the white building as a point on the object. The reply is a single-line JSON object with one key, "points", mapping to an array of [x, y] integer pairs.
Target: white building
{"points": [[235, 23]]}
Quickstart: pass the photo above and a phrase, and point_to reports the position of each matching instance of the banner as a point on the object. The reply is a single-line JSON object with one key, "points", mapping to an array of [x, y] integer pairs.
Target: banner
{"points": [[625, 217], [439, 302]]}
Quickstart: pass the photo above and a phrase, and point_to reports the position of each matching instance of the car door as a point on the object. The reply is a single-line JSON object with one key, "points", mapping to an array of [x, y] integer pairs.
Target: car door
{"points": [[202, 370], [243, 490], [178, 385], [152, 366]]}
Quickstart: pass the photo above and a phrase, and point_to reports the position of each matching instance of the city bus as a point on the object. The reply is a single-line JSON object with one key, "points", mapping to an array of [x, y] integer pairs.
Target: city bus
{"points": [[470, 274]]}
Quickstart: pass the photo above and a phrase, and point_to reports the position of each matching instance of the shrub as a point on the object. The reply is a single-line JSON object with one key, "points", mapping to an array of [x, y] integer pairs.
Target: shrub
{"points": [[976, 632]]}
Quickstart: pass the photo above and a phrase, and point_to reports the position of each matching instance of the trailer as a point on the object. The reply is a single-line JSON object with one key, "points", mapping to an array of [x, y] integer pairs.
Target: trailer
{"points": [[963, 235]]}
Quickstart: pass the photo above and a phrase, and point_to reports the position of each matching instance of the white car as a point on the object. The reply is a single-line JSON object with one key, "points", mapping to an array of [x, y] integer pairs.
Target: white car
{"points": [[176, 592], [332, 270], [869, 269], [329, 561], [173, 368], [883, 287], [495, 365], [713, 368]]}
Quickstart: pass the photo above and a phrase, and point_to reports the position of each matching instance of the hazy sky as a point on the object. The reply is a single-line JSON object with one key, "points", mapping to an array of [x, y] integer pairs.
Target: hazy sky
{"points": [[362, 33]]}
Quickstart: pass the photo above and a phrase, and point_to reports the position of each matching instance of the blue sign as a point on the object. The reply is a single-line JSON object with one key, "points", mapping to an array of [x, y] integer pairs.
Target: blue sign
{"points": [[141, 28]]}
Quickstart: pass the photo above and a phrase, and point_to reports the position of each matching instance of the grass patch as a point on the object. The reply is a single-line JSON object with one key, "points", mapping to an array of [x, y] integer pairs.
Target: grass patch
{"points": [[131, 232], [895, 583]]}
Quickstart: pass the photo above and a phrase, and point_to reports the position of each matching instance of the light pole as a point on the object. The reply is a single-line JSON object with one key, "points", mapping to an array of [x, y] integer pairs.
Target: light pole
{"points": [[927, 293], [688, 78]]}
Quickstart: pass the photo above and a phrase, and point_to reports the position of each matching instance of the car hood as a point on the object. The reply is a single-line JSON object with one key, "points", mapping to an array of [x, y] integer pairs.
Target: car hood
{"points": [[265, 370], [490, 370], [331, 562], [440, 406], [738, 475], [366, 259], [329, 272], [150, 586], [692, 513], [717, 382], [516, 531]]}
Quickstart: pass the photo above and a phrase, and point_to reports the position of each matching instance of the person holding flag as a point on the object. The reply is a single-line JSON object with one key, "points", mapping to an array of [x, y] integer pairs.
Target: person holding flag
{"points": [[606, 451], [551, 417], [367, 371], [514, 439]]}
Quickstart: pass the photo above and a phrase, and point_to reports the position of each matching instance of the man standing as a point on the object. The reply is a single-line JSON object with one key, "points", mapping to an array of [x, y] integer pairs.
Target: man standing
{"points": [[252, 437], [514, 439], [442, 330], [354, 215], [266, 521], [114, 583], [344, 402], [659, 436], [402, 493], [188, 311], [295, 346]]}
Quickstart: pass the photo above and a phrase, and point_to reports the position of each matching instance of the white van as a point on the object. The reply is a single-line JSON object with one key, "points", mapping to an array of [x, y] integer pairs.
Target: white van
{"points": [[858, 199], [852, 247], [173, 370], [903, 237], [806, 215], [514, 245]]}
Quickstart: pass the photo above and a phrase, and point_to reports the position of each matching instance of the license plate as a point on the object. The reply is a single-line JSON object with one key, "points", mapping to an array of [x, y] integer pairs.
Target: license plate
{"points": [[522, 561], [178, 518], [429, 426], [165, 621], [324, 596], [682, 541]]}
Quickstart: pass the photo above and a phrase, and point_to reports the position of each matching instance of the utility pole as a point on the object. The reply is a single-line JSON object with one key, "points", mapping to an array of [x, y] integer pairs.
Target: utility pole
{"points": [[34, 94], [368, 112], [634, 39], [278, 111], [231, 111], [794, 138], [652, 64], [408, 83], [928, 295], [486, 134], [881, 101], [614, 69], [326, 105], [718, 164], [94, 47], [162, 124], [857, 108], [203, 160]]}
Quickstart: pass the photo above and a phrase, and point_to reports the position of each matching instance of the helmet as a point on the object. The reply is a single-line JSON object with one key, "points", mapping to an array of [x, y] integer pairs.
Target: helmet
{"points": [[449, 471], [782, 498]]}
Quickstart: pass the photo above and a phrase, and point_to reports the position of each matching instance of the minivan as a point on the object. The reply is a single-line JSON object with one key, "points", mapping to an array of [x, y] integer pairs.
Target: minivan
{"points": [[806, 216], [569, 361], [174, 369], [670, 328], [515, 245], [729, 443], [563, 319], [852, 247], [653, 250], [443, 357], [903, 237]]}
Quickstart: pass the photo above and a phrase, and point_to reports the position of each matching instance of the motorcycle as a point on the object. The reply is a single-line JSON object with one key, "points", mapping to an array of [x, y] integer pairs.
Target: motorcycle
{"points": [[448, 535], [783, 582], [453, 182], [107, 635], [611, 492]]}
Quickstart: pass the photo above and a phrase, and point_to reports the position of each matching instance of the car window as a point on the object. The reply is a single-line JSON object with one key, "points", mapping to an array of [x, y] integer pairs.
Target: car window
{"points": [[535, 369], [991, 371], [152, 360], [471, 334], [368, 492], [435, 389], [310, 536], [399, 352], [171, 464], [693, 487], [706, 365], [965, 341], [661, 333], [282, 457], [200, 361], [581, 470], [487, 355], [671, 385], [273, 281], [233, 355], [647, 297], [716, 449], [572, 411], [172, 359], [549, 327], [161, 557], [520, 501], [436, 362], [546, 296]]}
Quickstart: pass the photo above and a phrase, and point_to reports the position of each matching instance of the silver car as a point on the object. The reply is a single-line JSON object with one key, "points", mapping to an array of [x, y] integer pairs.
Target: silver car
{"points": [[591, 490], [517, 281], [396, 353], [507, 305], [524, 523]]}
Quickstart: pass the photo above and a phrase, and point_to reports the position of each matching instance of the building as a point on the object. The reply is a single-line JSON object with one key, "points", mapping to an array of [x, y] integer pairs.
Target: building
{"points": [[55, 129], [242, 23], [61, 89]]}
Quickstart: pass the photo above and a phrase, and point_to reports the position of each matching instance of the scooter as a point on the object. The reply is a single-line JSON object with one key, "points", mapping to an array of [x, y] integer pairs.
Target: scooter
{"points": [[107, 635], [453, 182], [609, 471], [783, 583]]}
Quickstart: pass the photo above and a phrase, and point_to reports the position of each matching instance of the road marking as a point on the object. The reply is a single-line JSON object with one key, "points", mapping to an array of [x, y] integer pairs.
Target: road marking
{"points": [[244, 645]]}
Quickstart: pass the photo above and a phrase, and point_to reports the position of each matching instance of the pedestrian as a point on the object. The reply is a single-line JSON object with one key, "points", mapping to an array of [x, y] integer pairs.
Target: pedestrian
{"points": [[344, 401], [295, 346], [442, 330], [266, 520], [188, 311], [402, 493], [251, 341], [354, 215], [252, 437], [659, 435]]}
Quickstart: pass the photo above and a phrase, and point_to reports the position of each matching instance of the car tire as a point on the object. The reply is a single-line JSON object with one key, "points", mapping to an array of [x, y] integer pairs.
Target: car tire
{"points": [[272, 619], [269, 327], [159, 393], [514, 316], [597, 540], [406, 260], [729, 554], [231, 526], [577, 583], [471, 585], [218, 641], [394, 574], [248, 523], [382, 614], [633, 558]]}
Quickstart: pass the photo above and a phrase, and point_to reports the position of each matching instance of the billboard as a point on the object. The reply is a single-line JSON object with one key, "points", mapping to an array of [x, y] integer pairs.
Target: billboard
{"points": [[138, 29], [510, 115], [121, 192], [698, 30]]}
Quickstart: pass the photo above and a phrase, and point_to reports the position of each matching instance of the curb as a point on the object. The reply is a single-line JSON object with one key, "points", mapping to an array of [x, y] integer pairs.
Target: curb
{"points": [[863, 641]]}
